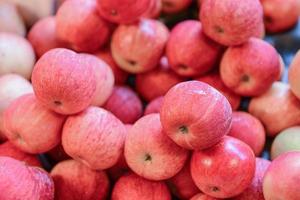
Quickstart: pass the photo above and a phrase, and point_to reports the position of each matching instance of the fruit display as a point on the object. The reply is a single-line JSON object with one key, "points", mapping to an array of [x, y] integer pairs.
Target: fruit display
{"points": [[149, 100]]}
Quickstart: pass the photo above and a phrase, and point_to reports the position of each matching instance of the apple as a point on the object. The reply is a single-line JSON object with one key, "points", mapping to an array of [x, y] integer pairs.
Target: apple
{"points": [[154, 9], [79, 23], [281, 180], [133, 187], [248, 129], [154, 106], [285, 141], [64, 81], [231, 22], [202, 196], [20, 181], [294, 72], [58, 154], [214, 80], [150, 153], [191, 53], [182, 184], [94, 137], [251, 68], [124, 104], [13, 46], [195, 115], [119, 74], [42, 36], [73, 180], [12, 86], [156, 82], [30, 126], [123, 11], [224, 170], [280, 16], [255, 190], [175, 6], [10, 19], [138, 47], [271, 116], [9, 150]]}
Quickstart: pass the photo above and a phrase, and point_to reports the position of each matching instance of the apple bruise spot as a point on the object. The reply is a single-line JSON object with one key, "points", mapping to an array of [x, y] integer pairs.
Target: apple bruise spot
{"points": [[148, 157], [131, 62], [219, 29], [183, 129], [182, 67], [113, 12], [245, 78], [57, 103]]}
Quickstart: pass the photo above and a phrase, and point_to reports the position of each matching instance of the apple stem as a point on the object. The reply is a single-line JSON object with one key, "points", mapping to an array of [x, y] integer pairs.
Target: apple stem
{"points": [[148, 157], [183, 129]]}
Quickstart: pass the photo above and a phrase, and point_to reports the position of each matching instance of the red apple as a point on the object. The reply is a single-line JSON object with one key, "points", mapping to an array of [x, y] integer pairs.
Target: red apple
{"points": [[294, 73], [64, 81], [154, 10], [79, 23], [277, 109], [17, 55], [133, 187], [156, 82], [9, 150], [138, 47], [224, 170], [150, 153], [20, 181], [280, 15], [30, 126], [202, 196], [119, 74], [281, 180], [255, 190], [175, 6], [154, 106], [124, 104], [195, 115], [58, 154], [250, 69], [123, 11], [214, 80], [182, 184], [191, 53], [94, 137], [248, 129], [42, 36], [231, 22], [74, 180]]}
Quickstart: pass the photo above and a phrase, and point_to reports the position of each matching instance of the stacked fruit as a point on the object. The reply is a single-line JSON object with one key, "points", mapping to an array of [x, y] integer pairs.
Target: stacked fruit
{"points": [[73, 93]]}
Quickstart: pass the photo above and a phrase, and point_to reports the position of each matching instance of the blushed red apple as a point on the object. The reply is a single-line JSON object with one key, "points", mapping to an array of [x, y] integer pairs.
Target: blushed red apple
{"points": [[154, 106]]}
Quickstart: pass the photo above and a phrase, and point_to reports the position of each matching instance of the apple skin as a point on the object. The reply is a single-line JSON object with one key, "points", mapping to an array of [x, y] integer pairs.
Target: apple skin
{"points": [[119, 74], [231, 23], [202, 196], [123, 11], [20, 181], [248, 129], [195, 115], [153, 10], [58, 154], [42, 36], [214, 80], [94, 137], [8, 54], [133, 187], [285, 141], [150, 153], [9, 150], [10, 19], [156, 82], [74, 180], [12, 86], [255, 190], [30, 126], [154, 106], [280, 16], [224, 170], [294, 73], [191, 53], [79, 23], [182, 184], [271, 116], [124, 104], [138, 47], [175, 6], [251, 68], [281, 180], [63, 81]]}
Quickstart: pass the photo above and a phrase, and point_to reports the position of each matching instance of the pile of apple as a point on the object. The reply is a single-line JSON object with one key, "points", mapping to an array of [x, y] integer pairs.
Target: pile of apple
{"points": [[174, 131]]}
